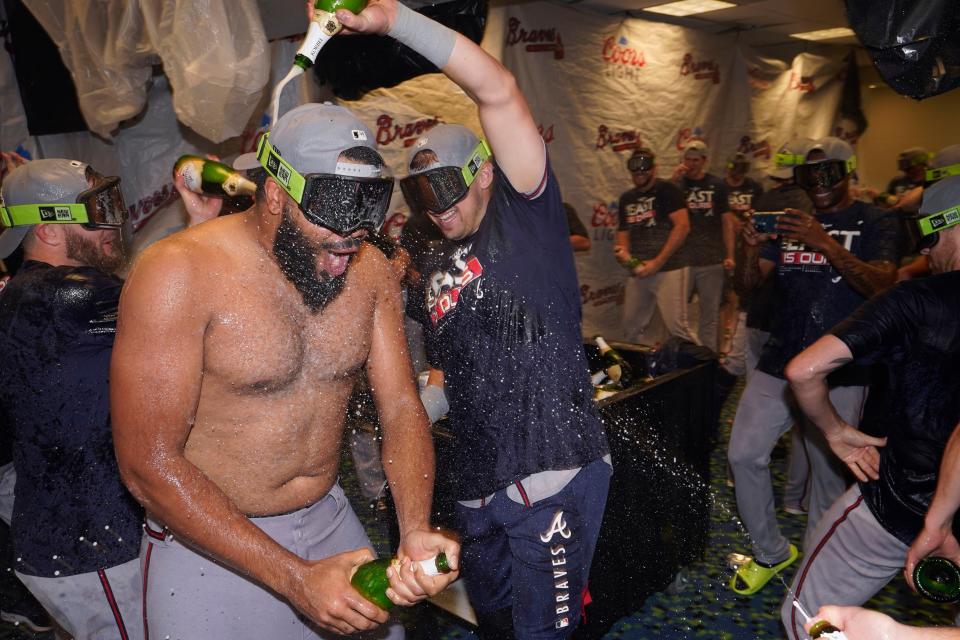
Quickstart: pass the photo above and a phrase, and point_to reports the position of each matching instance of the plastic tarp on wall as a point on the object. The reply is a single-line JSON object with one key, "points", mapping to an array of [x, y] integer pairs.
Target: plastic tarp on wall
{"points": [[213, 52]]}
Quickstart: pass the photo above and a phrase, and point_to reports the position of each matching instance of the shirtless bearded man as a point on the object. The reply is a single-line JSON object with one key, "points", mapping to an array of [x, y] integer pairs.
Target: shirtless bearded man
{"points": [[239, 342]]}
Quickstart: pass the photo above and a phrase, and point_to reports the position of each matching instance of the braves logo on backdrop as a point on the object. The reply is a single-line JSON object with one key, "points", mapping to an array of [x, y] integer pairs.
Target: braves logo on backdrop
{"points": [[621, 60], [612, 294], [558, 561], [700, 69], [760, 149], [687, 135], [622, 140], [795, 256], [388, 130], [757, 79], [445, 287], [546, 132], [640, 212], [536, 40]]}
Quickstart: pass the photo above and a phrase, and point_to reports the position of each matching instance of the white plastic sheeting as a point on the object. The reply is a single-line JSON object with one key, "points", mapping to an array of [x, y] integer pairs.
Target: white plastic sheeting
{"points": [[213, 52]]}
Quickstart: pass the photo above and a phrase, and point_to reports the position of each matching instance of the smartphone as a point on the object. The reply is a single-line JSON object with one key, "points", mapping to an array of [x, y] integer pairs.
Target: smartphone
{"points": [[766, 221]]}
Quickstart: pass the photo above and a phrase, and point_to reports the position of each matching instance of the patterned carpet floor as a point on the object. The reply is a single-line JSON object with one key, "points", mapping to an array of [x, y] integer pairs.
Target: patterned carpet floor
{"points": [[698, 605]]}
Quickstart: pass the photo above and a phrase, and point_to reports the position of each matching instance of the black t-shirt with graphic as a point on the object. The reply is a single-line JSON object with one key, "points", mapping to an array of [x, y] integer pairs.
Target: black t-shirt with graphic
{"points": [[57, 326], [706, 204], [503, 324], [811, 296], [741, 199], [646, 215], [913, 330]]}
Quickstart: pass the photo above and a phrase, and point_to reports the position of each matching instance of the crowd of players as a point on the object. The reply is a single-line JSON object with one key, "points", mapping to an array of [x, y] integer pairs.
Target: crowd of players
{"points": [[176, 449]]}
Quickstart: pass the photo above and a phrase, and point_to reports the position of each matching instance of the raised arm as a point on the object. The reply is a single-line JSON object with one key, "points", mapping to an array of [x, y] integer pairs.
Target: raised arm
{"points": [[504, 114], [750, 270], [155, 379], [407, 448]]}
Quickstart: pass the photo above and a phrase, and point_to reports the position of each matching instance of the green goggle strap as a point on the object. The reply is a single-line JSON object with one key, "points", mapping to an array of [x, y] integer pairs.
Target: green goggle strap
{"points": [[286, 176], [478, 156], [851, 164], [19, 215], [942, 172], [939, 221], [783, 160]]}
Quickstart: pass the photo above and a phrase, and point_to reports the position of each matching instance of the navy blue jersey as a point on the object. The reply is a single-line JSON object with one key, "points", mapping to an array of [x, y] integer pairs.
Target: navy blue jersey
{"points": [[646, 216], [706, 204], [810, 296], [57, 326], [503, 324], [913, 330]]}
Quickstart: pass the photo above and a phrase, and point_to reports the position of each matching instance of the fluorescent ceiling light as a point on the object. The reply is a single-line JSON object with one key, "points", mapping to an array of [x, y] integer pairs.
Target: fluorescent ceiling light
{"points": [[824, 34], [689, 7]]}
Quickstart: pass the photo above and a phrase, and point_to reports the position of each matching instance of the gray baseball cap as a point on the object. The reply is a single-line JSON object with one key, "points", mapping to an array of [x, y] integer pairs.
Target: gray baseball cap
{"points": [[312, 136], [946, 157], [832, 148], [50, 181], [941, 195], [696, 146], [786, 158], [453, 144]]}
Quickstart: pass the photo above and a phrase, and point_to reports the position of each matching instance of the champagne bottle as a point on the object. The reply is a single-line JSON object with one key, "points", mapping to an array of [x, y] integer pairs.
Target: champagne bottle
{"points": [[323, 27], [212, 178], [618, 369], [937, 579], [633, 263], [825, 630], [370, 579]]}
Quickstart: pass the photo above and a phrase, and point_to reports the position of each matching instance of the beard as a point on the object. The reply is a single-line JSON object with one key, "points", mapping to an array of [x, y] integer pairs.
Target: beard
{"points": [[87, 252], [297, 259]]}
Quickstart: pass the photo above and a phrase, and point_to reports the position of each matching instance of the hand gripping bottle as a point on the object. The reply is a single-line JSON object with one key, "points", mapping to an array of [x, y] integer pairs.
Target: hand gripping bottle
{"points": [[370, 579]]}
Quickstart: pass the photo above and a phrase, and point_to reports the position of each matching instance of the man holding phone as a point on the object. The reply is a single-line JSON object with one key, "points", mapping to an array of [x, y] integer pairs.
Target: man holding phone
{"points": [[824, 265]]}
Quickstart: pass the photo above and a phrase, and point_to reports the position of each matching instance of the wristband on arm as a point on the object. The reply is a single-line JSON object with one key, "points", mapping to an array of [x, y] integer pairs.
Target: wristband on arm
{"points": [[427, 37]]}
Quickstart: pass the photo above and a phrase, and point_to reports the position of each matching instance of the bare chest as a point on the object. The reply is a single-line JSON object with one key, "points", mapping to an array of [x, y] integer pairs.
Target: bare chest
{"points": [[264, 342]]}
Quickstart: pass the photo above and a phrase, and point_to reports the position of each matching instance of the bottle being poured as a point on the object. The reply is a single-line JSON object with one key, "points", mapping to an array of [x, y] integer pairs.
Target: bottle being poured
{"points": [[323, 26]]}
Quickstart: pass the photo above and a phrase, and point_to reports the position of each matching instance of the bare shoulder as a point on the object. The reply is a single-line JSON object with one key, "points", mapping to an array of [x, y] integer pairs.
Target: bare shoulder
{"points": [[373, 270], [189, 257]]}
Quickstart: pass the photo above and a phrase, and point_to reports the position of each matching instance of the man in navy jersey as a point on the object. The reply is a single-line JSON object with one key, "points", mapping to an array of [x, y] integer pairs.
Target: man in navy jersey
{"points": [[824, 266], [504, 327], [904, 504], [653, 227], [75, 529]]}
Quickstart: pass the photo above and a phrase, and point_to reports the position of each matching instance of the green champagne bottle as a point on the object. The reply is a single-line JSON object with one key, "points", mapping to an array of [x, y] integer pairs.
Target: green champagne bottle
{"points": [[825, 630], [618, 369], [323, 27], [212, 178], [633, 263], [370, 579], [937, 579]]}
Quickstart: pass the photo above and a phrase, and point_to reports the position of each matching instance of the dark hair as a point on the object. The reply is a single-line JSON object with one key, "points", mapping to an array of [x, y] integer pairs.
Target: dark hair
{"points": [[365, 155], [423, 159]]}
